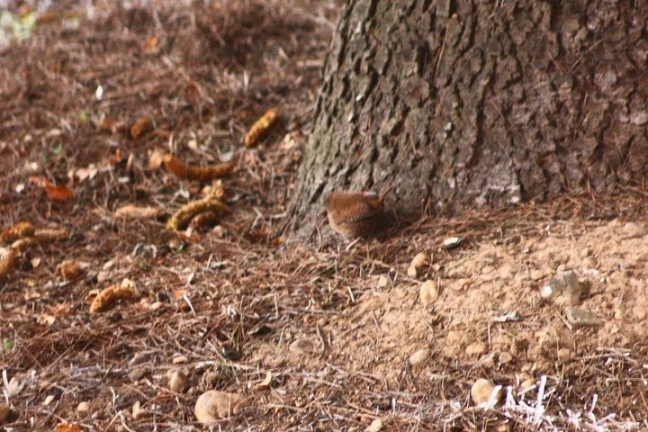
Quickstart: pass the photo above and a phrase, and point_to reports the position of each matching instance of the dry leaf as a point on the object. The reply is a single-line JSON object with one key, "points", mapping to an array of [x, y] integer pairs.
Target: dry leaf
{"points": [[266, 382], [182, 217], [261, 127], [67, 427], [47, 17], [45, 319], [87, 173], [156, 159], [141, 127], [16, 232], [54, 192], [150, 44], [111, 125], [106, 298], [185, 171], [179, 293]]}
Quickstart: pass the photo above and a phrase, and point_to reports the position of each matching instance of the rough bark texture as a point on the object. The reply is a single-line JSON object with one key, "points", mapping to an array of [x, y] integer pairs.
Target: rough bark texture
{"points": [[468, 102]]}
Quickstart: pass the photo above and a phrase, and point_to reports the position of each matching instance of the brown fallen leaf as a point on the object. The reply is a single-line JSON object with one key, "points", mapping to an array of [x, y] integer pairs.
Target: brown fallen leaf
{"points": [[112, 125], [67, 427], [261, 127], [185, 171], [54, 192], [142, 126], [150, 45]]}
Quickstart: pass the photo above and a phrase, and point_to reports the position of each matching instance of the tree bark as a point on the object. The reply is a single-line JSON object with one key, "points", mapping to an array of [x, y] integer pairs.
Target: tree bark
{"points": [[472, 102]]}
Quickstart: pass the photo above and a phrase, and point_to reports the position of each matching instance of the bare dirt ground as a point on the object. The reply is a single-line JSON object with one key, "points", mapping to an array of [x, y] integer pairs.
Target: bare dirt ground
{"points": [[310, 337]]}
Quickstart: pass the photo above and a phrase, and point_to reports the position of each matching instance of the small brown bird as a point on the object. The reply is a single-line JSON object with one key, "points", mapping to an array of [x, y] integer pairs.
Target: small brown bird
{"points": [[355, 214]]}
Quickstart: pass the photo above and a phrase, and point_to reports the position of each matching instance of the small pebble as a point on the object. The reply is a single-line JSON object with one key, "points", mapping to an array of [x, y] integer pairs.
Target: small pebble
{"points": [[419, 356], [178, 382], [429, 292], [452, 242], [481, 391], [419, 260], [375, 426], [581, 317], [505, 357], [83, 407]]}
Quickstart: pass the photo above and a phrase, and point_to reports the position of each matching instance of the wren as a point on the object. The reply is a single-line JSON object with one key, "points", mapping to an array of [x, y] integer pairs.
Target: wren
{"points": [[355, 214]]}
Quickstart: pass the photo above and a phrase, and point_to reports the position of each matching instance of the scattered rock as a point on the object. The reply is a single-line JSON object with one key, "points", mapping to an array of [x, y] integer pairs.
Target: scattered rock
{"points": [[48, 400], [505, 357], [411, 272], [429, 292], [375, 426], [419, 356], [581, 317], [178, 381], [482, 390], [83, 407], [452, 242], [382, 282], [509, 317], [419, 260], [567, 286], [213, 405]]}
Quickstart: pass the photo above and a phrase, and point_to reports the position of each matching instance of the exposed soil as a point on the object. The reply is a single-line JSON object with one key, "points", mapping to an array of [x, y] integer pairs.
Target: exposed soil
{"points": [[324, 336]]}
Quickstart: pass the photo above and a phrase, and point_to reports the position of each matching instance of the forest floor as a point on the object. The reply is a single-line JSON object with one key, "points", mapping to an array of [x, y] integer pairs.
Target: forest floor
{"points": [[548, 301]]}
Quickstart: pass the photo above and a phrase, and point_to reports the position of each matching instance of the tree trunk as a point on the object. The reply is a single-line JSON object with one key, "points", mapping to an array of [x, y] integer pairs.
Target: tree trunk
{"points": [[472, 102]]}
